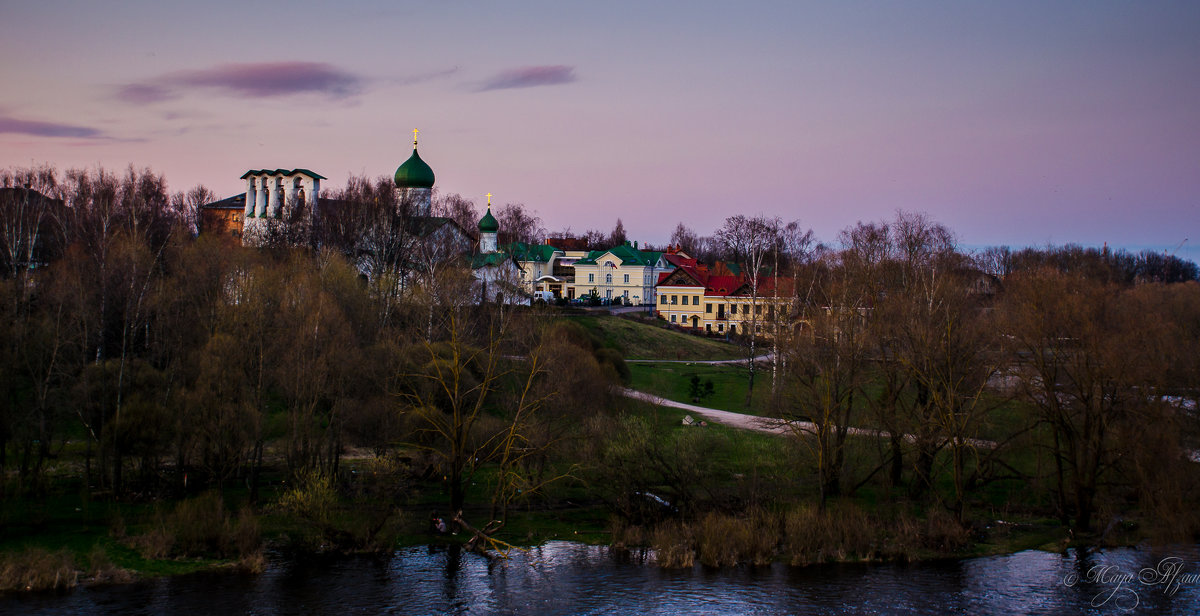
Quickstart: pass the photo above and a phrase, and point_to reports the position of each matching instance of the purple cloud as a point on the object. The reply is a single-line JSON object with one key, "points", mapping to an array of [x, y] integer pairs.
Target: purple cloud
{"points": [[250, 80], [46, 129], [530, 76], [143, 93]]}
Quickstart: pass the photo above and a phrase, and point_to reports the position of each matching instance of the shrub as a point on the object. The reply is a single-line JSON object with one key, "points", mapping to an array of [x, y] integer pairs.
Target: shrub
{"points": [[313, 498], [201, 527]]}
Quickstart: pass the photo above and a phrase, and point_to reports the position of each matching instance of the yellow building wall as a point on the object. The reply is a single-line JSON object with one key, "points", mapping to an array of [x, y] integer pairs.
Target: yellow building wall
{"points": [[683, 306], [718, 314]]}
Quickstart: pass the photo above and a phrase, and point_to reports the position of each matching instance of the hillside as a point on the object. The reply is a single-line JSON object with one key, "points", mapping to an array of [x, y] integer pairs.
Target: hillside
{"points": [[641, 340]]}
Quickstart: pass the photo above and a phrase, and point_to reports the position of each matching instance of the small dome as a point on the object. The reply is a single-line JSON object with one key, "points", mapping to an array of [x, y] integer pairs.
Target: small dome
{"points": [[414, 173], [488, 223]]}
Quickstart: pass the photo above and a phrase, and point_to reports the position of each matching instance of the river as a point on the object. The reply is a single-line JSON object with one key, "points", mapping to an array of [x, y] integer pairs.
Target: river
{"points": [[571, 578]]}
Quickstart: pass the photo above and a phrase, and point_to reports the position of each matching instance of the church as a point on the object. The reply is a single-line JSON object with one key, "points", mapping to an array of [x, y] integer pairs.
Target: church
{"points": [[287, 205]]}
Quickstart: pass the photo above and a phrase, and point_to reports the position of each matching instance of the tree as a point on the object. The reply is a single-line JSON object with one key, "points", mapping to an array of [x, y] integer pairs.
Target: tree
{"points": [[827, 365], [375, 230], [518, 225], [459, 209], [686, 239], [1093, 356], [617, 237], [748, 242]]}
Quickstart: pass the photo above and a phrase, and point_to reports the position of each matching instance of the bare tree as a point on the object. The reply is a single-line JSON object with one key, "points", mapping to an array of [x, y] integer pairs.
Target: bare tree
{"points": [[827, 366], [518, 225], [686, 239], [750, 242], [617, 237], [1093, 356], [457, 208]]}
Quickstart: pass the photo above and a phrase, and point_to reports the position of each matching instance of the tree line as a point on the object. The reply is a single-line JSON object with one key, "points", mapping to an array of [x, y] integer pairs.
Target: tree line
{"points": [[166, 362], [159, 358]]}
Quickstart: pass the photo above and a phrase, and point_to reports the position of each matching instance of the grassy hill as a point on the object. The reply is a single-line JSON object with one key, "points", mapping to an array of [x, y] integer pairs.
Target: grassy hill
{"points": [[640, 340]]}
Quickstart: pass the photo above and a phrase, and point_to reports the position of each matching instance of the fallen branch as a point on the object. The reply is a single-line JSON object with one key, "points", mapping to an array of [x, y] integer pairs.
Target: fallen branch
{"points": [[482, 540]]}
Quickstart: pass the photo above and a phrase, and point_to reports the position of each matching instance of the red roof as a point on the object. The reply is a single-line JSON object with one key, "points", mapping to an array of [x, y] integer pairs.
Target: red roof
{"points": [[719, 282]]}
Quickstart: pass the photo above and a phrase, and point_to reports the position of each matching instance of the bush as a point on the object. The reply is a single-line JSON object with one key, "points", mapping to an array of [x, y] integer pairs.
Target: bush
{"points": [[202, 527], [313, 498]]}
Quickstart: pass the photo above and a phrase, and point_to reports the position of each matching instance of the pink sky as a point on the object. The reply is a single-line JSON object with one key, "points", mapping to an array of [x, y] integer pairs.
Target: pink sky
{"points": [[1022, 123]]}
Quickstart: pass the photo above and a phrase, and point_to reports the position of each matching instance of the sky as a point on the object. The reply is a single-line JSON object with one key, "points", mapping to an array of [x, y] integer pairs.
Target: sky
{"points": [[1012, 123]]}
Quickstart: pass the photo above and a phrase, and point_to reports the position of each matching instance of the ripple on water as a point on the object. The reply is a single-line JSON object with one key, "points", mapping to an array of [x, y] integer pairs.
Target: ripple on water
{"points": [[572, 578]]}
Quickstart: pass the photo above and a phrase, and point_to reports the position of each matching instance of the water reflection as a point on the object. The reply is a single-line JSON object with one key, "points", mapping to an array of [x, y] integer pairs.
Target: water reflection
{"points": [[567, 578]]}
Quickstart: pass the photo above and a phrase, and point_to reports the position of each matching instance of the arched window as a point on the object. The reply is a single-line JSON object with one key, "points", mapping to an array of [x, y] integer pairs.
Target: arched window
{"points": [[608, 278]]}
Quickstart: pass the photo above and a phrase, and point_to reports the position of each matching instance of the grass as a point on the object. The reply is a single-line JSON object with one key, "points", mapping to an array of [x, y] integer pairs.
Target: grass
{"points": [[730, 382], [639, 339]]}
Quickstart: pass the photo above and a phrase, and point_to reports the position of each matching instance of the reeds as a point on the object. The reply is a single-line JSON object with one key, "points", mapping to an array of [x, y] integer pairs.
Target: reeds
{"points": [[202, 527], [805, 535], [37, 569]]}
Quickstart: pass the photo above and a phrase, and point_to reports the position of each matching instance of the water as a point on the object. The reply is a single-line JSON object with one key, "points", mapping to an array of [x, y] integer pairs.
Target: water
{"points": [[569, 578]]}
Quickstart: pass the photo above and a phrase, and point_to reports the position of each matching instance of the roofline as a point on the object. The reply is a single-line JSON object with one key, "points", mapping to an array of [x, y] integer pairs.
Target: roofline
{"points": [[283, 172]]}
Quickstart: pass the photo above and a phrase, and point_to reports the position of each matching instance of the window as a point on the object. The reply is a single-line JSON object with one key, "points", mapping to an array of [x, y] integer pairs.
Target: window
{"points": [[673, 318], [720, 327], [733, 309], [758, 309], [685, 300], [625, 294], [732, 328], [708, 327], [663, 298], [708, 309], [674, 299], [626, 278], [758, 329], [608, 279], [591, 278]]}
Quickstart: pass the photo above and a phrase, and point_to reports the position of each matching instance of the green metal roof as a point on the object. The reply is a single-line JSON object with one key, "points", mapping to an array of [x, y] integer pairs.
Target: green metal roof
{"points": [[540, 253], [284, 172], [414, 173], [491, 258], [488, 223], [626, 253]]}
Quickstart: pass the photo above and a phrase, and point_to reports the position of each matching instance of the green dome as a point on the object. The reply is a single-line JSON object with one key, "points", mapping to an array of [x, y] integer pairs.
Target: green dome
{"points": [[488, 223], [414, 173]]}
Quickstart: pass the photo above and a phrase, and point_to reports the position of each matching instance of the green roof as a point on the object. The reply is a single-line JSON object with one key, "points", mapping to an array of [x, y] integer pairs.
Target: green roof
{"points": [[414, 173], [283, 172], [491, 258], [488, 223], [626, 253], [540, 253]]}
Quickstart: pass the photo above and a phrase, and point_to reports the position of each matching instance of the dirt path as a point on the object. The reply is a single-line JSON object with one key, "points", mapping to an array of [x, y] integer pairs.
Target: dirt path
{"points": [[768, 425], [698, 362]]}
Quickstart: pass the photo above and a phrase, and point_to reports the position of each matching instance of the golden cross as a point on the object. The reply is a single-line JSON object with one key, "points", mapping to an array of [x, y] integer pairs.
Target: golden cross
{"points": [[489, 196], [415, 131]]}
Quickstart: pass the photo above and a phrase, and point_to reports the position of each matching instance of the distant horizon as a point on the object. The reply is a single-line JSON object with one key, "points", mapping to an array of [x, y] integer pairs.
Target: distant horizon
{"points": [[1020, 123]]}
